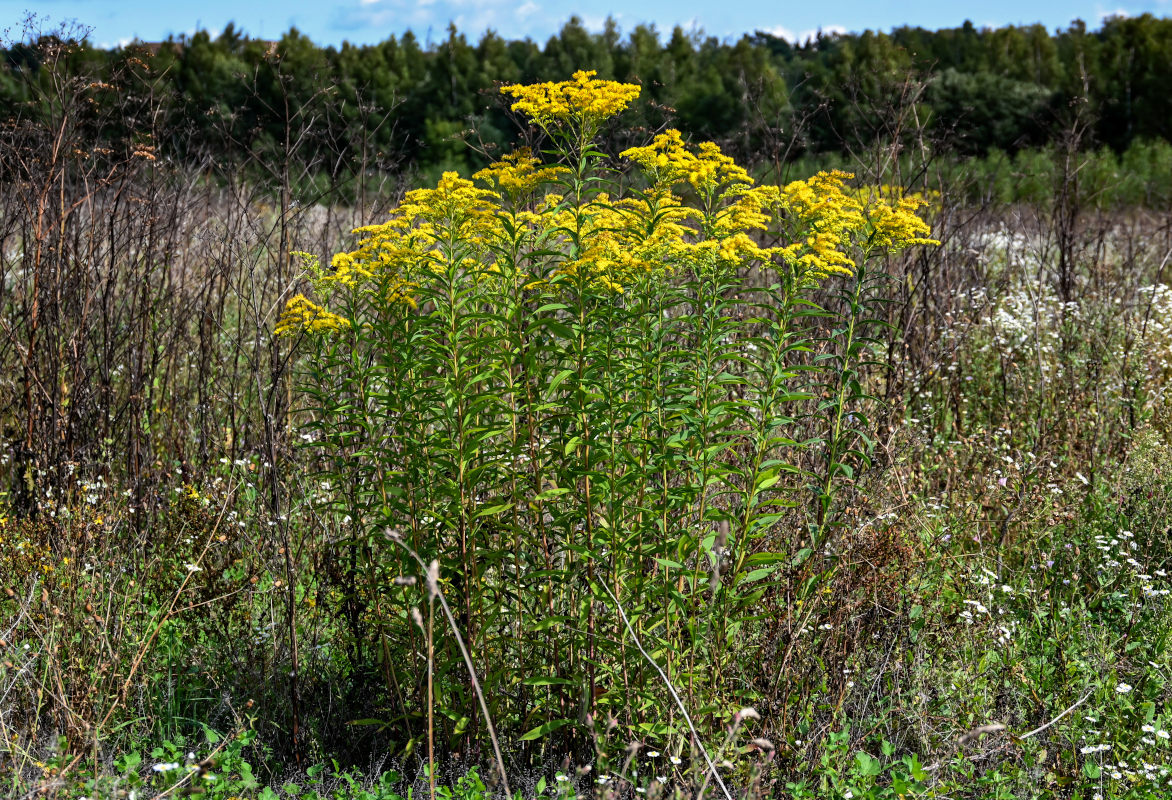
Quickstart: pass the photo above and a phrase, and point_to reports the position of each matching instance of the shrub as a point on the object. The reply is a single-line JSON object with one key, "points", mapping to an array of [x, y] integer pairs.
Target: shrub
{"points": [[580, 388]]}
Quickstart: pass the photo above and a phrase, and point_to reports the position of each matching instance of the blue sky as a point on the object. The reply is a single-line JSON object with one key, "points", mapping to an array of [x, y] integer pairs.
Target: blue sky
{"points": [[332, 21]]}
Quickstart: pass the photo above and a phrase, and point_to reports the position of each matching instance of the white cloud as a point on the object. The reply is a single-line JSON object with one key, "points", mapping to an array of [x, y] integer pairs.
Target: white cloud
{"points": [[1118, 12], [802, 37], [781, 32], [470, 16], [596, 22], [213, 33], [121, 43]]}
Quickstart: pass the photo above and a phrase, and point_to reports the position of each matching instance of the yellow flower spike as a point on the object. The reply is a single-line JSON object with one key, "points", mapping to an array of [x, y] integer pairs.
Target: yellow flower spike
{"points": [[832, 219], [666, 161], [455, 207], [302, 315], [746, 209], [577, 106], [897, 226], [518, 174], [717, 170], [617, 245], [394, 256]]}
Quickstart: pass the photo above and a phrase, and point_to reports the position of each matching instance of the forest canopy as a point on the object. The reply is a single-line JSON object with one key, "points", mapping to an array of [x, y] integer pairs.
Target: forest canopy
{"points": [[428, 107]]}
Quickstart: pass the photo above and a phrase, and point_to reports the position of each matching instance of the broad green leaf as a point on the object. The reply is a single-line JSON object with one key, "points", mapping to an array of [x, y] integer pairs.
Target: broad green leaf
{"points": [[545, 729]]}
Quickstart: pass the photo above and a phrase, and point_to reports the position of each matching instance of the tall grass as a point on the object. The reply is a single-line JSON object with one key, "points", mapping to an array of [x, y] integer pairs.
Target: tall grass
{"points": [[911, 511]]}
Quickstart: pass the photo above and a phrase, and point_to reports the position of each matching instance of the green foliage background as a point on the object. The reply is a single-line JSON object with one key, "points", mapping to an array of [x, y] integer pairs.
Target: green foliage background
{"points": [[429, 107]]}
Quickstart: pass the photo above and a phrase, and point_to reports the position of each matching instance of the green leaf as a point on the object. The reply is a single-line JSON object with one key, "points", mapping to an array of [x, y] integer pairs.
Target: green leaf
{"points": [[493, 510], [764, 558], [868, 765], [549, 494], [540, 681], [765, 480], [556, 382], [757, 575], [545, 729], [548, 622], [656, 728], [130, 761]]}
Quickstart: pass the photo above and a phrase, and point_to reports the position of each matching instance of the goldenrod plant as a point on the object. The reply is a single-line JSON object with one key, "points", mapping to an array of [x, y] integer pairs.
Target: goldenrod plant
{"points": [[558, 380]]}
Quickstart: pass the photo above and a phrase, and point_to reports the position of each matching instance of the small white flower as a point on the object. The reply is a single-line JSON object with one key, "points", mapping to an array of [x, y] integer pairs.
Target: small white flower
{"points": [[640, 790], [560, 778], [166, 766], [1147, 729], [653, 754], [194, 568], [675, 760], [1163, 734], [1123, 688], [848, 794]]}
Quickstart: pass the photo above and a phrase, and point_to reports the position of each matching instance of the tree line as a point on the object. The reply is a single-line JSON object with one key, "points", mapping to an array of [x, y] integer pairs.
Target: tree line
{"points": [[406, 105]]}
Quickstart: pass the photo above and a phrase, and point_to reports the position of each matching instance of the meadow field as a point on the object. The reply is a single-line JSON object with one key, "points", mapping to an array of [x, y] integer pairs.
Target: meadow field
{"points": [[615, 466]]}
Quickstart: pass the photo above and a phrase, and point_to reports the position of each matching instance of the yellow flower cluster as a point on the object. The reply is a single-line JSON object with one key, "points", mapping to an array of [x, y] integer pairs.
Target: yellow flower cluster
{"points": [[420, 237], [834, 220], [897, 226], [518, 174], [620, 242], [606, 244], [745, 208], [578, 105], [667, 161], [302, 315], [736, 250], [894, 215], [454, 211], [732, 205], [827, 219]]}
